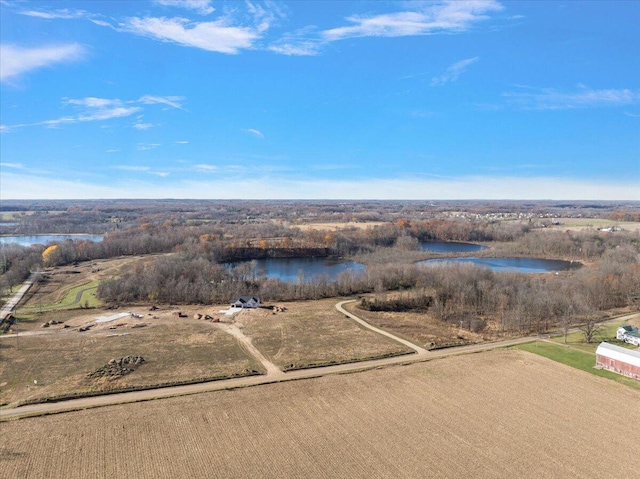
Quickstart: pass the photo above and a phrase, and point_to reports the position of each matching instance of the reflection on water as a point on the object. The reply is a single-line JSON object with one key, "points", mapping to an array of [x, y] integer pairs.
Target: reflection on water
{"points": [[292, 270]]}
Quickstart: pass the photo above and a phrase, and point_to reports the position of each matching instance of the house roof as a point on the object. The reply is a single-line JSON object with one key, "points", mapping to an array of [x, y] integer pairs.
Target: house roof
{"points": [[611, 351], [246, 299], [629, 329]]}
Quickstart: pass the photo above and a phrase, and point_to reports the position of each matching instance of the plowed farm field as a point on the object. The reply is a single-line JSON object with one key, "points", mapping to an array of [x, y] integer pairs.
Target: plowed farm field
{"points": [[499, 414]]}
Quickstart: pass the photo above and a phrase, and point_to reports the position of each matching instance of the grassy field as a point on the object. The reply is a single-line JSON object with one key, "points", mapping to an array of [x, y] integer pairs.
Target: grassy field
{"points": [[82, 295], [500, 414], [313, 333], [175, 352], [576, 358], [421, 328], [606, 332], [577, 224]]}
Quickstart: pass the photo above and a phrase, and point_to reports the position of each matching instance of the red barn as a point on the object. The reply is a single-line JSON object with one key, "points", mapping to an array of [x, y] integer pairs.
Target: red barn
{"points": [[619, 360]]}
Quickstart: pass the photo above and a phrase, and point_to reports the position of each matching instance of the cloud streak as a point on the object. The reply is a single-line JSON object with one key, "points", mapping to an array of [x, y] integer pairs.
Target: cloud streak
{"points": [[17, 61], [102, 109], [453, 72], [256, 133], [64, 14], [583, 97], [216, 36], [440, 17]]}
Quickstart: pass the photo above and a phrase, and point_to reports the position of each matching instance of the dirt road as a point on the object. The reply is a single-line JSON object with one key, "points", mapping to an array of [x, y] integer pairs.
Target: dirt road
{"points": [[246, 344], [362, 322]]}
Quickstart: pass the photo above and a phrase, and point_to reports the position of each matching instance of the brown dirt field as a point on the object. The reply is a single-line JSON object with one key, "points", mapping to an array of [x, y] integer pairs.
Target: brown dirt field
{"points": [[175, 350], [500, 414], [313, 333], [420, 328]]}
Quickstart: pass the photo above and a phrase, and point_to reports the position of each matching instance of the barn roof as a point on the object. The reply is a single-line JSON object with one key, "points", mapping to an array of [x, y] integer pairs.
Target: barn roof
{"points": [[620, 354]]}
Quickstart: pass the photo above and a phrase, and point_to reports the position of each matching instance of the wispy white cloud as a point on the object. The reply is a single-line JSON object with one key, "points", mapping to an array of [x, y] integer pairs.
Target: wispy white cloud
{"points": [[205, 168], [256, 133], [418, 18], [143, 169], [97, 109], [18, 166], [453, 72], [64, 14], [216, 36], [583, 97], [20, 60], [102, 109], [308, 48], [182, 142], [203, 7], [147, 146], [172, 101], [425, 19]]}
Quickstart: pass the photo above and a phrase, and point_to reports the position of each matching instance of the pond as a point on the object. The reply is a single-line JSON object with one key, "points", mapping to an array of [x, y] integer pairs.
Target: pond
{"points": [[450, 247], [521, 265], [292, 270], [24, 240]]}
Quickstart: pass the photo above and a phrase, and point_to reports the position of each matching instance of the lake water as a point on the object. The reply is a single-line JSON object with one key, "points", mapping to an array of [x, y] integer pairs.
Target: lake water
{"points": [[521, 265], [450, 247], [292, 269], [45, 239]]}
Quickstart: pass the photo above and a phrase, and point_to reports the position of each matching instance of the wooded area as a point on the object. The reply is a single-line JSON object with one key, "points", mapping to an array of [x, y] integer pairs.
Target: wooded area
{"points": [[203, 241]]}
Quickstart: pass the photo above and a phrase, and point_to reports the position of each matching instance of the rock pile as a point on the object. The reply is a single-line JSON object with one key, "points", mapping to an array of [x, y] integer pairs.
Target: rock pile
{"points": [[117, 368], [51, 323]]}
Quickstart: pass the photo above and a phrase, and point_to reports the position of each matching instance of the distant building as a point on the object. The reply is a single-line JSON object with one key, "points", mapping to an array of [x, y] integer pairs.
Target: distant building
{"points": [[246, 302], [618, 360], [628, 334]]}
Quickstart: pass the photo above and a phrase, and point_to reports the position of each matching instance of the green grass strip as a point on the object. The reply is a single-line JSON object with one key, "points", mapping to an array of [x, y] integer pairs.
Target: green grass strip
{"points": [[87, 298], [575, 358]]}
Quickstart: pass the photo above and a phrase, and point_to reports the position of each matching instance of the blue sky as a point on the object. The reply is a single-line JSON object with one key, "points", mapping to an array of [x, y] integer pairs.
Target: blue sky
{"points": [[320, 99]]}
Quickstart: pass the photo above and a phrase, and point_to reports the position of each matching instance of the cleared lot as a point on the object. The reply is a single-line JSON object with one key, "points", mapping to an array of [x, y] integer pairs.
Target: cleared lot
{"points": [[311, 334], [496, 414], [174, 351]]}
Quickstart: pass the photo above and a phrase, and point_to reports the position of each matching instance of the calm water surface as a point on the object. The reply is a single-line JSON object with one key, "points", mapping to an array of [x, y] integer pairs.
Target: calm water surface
{"points": [[450, 247], [44, 239], [292, 270], [521, 265]]}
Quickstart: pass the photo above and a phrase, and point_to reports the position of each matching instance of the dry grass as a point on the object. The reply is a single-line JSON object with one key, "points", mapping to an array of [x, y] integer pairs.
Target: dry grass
{"points": [[313, 333], [176, 351], [421, 328], [579, 224], [500, 414]]}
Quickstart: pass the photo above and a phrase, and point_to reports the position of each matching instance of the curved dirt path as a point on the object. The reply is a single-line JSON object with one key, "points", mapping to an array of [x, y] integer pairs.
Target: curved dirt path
{"points": [[362, 322], [246, 344]]}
